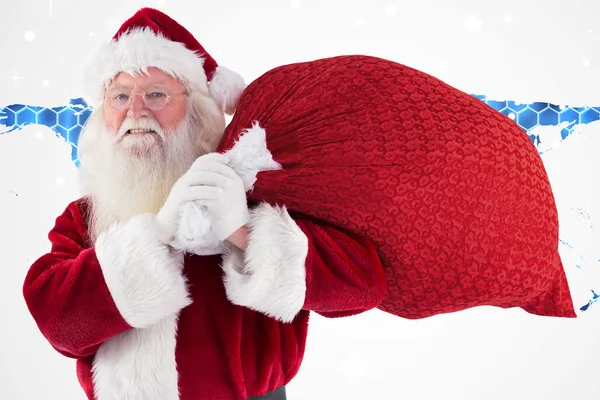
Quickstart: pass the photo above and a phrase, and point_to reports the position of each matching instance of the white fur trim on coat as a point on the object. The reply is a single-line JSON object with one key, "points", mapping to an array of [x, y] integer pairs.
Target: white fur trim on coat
{"points": [[138, 364], [270, 276], [144, 276], [135, 52]]}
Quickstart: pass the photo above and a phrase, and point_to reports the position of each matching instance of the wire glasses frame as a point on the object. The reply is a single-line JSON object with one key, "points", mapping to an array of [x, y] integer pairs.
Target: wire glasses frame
{"points": [[154, 100]]}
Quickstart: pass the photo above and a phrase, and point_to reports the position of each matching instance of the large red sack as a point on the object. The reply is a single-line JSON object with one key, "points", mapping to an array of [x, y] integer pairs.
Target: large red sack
{"points": [[453, 193]]}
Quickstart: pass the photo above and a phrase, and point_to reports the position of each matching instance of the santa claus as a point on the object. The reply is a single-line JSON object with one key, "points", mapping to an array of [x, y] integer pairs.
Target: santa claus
{"points": [[143, 319]]}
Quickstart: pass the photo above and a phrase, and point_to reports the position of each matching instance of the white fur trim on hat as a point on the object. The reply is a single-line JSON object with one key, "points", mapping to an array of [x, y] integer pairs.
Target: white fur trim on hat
{"points": [[226, 88], [135, 52]]}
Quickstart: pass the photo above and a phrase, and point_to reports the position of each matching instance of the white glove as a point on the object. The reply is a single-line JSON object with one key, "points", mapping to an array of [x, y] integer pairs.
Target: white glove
{"points": [[194, 234], [190, 187], [228, 210]]}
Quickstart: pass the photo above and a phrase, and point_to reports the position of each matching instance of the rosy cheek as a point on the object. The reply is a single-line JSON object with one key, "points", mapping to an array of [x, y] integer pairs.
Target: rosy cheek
{"points": [[168, 119], [113, 119]]}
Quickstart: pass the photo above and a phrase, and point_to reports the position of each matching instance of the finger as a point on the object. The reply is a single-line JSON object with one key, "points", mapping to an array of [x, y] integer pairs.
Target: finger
{"points": [[199, 193], [206, 178], [217, 168], [211, 158]]}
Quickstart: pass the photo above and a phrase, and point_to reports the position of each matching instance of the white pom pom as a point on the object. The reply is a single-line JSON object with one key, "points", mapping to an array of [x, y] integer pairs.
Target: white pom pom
{"points": [[226, 88]]}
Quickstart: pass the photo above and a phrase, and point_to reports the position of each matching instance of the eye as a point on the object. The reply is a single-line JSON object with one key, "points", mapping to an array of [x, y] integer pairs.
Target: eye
{"points": [[119, 96], [156, 95]]}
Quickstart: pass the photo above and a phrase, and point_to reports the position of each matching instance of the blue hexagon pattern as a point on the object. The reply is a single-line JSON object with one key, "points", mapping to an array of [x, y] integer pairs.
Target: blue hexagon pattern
{"points": [[67, 122]]}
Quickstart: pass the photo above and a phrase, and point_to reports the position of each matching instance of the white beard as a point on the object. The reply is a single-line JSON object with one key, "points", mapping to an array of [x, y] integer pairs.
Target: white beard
{"points": [[134, 176]]}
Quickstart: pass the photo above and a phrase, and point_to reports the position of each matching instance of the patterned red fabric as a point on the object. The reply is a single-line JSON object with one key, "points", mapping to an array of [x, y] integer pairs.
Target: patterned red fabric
{"points": [[452, 192]]}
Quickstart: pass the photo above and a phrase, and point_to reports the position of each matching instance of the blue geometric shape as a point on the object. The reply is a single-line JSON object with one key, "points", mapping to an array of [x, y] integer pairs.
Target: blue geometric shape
{"points": [[35, 109], [68, 121], [516, 107], [79, 102], [73, 135], [527, 118], [67, 118], [62, 132], [549, 117], [47, 117], [74, 154], [535, 139], [9, 117], [537, 106], [556, 107], [83, 116], [570, 115], [507, 111], [589, 115], [16, 107], [496, 105], [595, 298], [25, 116]]}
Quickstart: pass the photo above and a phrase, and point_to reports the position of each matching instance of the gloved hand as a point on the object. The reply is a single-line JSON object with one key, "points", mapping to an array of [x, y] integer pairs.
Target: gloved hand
{"points": [[194, 234], [190, 187], [228, 210]]}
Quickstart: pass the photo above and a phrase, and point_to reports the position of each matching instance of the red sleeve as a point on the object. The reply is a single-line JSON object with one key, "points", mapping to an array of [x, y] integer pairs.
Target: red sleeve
{"points": [[81, 296], [66, 293], [291, 265], [344, 274]]}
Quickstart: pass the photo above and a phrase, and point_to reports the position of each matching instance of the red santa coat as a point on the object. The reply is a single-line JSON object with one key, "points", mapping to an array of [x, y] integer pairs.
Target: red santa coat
{"points": [[146, 323]]}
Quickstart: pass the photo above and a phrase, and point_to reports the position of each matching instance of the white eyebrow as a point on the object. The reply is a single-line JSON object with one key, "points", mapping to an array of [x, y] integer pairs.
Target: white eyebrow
{"points": [[160, 86], [157, 86], [119, 87]]}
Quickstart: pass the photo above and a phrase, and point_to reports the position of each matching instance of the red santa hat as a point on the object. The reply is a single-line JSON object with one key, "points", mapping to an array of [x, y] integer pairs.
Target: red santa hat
{"points": [[153, 39]]}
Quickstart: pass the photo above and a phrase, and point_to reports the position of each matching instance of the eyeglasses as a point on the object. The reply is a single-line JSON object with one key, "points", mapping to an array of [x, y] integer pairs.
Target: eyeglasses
{"points": [[119, 99]]}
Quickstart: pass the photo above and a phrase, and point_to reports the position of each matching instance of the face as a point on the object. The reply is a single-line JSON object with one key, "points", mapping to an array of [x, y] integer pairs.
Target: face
{"points": [[139, 128], [127, 172]]}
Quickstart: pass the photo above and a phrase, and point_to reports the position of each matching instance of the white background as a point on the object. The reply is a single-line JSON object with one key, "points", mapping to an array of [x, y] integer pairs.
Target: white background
{"points": [[511, 50]]}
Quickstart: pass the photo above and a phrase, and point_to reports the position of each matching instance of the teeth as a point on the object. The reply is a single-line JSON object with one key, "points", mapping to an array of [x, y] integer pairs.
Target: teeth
{"points": [[140, 131]]}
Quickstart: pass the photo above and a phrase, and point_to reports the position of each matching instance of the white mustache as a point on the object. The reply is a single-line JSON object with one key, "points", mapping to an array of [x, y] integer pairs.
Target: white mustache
{"points": [[140, 123]]}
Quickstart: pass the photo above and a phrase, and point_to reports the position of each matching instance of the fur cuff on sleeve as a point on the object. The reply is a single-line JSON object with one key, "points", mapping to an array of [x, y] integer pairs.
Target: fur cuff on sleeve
{"points": [[142, 273], [270, 276]]}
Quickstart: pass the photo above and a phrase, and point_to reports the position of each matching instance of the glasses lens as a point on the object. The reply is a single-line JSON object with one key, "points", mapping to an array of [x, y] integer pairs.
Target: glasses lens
{"points": [[155, 100], [118, 99]]}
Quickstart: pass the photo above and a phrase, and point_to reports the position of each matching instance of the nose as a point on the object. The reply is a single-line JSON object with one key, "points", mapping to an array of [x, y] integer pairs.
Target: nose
{"points": [[137, 108]]}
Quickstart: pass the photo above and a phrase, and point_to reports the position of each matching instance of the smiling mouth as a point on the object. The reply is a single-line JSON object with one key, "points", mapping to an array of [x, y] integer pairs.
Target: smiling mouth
{"points": [[136, 131]]}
